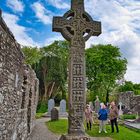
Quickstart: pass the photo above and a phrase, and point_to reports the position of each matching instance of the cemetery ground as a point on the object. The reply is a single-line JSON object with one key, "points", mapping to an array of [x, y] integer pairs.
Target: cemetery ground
{"points": [[54, 129]]}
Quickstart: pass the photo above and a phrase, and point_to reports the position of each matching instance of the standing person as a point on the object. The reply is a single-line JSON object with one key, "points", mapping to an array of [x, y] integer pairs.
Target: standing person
{"points": [[113, 116], [103, 113], [88, 115]]}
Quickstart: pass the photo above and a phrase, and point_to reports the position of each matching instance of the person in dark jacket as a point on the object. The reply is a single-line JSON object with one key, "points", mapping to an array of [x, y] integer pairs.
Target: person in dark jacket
{"points": [[103, 113]]}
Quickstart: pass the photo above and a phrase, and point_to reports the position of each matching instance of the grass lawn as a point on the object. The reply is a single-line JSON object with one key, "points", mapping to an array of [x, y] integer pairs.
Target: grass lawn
{"points": [[60, 127], [38, 115]]}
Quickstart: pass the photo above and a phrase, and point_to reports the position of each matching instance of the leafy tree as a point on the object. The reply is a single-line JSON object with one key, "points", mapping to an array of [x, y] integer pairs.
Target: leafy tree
{"points": [[53, 69], [32, 55], [104, 66], [130, 86], [50, 65]]}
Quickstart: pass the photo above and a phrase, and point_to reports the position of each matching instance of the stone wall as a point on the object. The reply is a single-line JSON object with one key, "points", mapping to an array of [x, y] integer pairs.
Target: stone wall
{"points": [[18, 89], [125, 98], [130, 101]]}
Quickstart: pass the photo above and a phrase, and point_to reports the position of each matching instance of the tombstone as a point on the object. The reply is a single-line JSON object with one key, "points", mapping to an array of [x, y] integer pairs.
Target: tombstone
{"points": [[120, 109], [51, 105], [97, 104], [77, 27], [54, 114], [62, 109]]}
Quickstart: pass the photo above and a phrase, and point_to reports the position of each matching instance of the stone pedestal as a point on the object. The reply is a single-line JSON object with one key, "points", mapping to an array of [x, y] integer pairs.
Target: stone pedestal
{"points": [[73, 137]]}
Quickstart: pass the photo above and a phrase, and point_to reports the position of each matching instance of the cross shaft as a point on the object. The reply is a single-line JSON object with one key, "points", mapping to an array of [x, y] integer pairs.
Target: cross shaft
{"points": [[77, 27]]}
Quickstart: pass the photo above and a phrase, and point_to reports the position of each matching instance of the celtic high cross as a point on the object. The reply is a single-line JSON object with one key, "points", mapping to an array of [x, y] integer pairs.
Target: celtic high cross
{"points": [[77, 27]]}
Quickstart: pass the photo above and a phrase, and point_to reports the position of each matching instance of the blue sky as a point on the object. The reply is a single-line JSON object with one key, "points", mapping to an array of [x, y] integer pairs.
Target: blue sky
{"points": [[31, 23]]}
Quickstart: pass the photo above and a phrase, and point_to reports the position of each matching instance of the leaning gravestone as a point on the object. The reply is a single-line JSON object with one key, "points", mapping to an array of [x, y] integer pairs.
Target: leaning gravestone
{"points": [[51, 105], [77, 27], [62, 109], [54, 114], [97, 104]]}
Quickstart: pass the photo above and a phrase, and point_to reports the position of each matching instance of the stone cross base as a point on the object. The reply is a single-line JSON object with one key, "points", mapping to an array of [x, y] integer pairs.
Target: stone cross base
{"points": [[70, 137]]}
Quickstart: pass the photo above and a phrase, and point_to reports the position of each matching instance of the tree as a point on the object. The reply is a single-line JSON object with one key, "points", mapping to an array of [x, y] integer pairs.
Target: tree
{"points": [[53, 69], [130, 86], [32, 55], [104, 66], [50, 65]]}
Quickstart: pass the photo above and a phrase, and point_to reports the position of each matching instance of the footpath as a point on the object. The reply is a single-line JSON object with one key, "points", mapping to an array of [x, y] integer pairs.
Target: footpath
{"points": [[41, 132]]}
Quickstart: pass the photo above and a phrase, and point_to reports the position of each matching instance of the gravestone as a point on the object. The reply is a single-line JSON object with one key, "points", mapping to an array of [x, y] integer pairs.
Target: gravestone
{"points": [[62, 109], [97, 104], [77, 27], [54, 114], [51, 105]]}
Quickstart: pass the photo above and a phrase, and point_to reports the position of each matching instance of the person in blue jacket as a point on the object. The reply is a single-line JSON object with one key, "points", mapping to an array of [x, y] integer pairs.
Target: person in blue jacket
{"points": [[103, 114]]}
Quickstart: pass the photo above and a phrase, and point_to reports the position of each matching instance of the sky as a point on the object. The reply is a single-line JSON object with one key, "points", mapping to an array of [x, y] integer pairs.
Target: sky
{"points": [[31, 23]]}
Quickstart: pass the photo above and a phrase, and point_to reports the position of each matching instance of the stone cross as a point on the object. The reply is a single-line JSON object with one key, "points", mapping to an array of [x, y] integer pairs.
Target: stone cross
{"points": [[120, 105], [77, 27], [120, 109]]}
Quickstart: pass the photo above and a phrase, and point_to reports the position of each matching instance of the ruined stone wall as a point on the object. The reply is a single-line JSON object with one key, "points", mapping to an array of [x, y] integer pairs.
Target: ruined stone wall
{"points": [[125, 98], [130, 101], [135, 104], [18, 89]]}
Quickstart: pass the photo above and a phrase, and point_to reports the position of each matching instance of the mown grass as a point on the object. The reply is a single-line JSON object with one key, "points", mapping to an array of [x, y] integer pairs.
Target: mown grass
{"points": [[38, 115], [60, 127]]}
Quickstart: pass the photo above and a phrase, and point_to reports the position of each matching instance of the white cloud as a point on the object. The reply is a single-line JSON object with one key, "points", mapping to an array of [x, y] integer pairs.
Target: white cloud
{"points": [[52, 39], [120, 26], [15, 5], [42, 14], [60, 4], [20, 32]]}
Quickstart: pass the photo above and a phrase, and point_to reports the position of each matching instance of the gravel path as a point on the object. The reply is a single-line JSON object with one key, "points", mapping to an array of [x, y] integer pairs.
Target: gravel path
{"points": [[41, 132]]}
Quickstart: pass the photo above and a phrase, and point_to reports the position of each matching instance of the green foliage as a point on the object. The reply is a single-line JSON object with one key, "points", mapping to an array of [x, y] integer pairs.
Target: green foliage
{"points": [[32, 55], [128, 116], [50, 65], [104, 66], [42, 107], [129, 86]]}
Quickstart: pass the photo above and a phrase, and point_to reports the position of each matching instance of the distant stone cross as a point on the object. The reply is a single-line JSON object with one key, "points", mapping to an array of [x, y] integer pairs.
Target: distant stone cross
{"points": [[77, 27]]}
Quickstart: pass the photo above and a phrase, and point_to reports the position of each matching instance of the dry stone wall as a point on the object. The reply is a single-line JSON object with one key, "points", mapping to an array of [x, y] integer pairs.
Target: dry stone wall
{"points": [[18, 89]]}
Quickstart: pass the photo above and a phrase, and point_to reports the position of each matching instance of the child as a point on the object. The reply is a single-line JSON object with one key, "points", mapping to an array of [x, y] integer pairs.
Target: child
{"points": [[103, 118]]}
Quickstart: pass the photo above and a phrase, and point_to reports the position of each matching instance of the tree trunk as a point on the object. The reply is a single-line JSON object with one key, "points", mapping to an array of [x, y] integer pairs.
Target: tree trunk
{"points": [[107, 97], [51, 90]]}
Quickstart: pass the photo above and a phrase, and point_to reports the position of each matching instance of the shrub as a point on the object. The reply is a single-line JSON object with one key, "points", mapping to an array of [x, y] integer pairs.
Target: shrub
{"points": [[128, 116], [42, 107]]}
